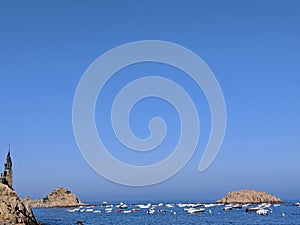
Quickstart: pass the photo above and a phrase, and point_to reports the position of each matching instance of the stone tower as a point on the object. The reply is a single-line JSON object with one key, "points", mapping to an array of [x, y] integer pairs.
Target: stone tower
{"points": [[8, 173], [7, 176]]}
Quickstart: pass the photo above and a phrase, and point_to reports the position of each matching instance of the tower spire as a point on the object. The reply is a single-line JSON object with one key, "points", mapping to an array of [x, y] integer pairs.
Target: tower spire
{"points": [[7, 176], [8, 164]]}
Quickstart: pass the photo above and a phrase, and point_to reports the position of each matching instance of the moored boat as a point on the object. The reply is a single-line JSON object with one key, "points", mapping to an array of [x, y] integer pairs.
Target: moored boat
{"points": [[141, 206], [237, 206], [195, 211], [226, 208], [209, 205], [263, 212], [122, 206], [135, 210], [151, 211], [253, 209], [97, 211]]}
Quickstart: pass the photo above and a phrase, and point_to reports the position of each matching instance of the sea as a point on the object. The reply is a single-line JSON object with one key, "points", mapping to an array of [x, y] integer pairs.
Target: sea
{"points": [[167, 214]]}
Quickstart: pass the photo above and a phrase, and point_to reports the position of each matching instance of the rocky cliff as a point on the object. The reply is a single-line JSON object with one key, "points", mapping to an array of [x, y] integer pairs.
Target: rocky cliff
{"points": [[249, 196], [12, 210], [60, 197]]}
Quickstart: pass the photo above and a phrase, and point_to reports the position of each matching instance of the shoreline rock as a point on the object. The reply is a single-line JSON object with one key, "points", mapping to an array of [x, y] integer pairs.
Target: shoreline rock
{"points": [[60, 197], [249, 196], [13, 211]]}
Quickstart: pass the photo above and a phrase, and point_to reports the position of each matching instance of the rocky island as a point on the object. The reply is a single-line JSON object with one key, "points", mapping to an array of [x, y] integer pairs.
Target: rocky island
{"points": [[60, 197], [12, 210], [249, 196]]}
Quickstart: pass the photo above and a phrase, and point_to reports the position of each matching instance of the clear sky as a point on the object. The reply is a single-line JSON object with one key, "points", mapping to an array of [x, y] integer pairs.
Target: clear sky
{"points": [[252, 47]]}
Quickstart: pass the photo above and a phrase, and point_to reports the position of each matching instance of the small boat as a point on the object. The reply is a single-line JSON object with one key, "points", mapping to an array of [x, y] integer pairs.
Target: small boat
{"points": [[264, 205], [263, 212], [276, 205], [141, 206], [97, 211], [104, 204], [194, 205], [118, 210], [127, 211], [296, 204], [209, 205], [71, 210], [122, 206], [226, 208], [237, 206], [151, 211], [170, 205], [195, 211], [89, 210], [181, 205], [108, 210], [253, 209], [162, 210], [135, 210]]}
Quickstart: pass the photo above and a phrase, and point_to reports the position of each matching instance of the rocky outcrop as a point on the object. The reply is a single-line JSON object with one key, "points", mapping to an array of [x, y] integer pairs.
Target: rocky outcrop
{"points": [[12, 210], [60, 197], [249, 196]]}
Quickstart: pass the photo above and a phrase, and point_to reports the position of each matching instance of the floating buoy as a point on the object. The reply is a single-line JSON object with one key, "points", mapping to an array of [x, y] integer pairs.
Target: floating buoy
{"points": [[283, 215], [174, 213]]}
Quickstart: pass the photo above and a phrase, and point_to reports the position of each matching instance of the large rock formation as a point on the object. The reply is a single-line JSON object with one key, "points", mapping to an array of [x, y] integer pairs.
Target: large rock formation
{"points": [[60, 197], [12, 210], [249, 196]]}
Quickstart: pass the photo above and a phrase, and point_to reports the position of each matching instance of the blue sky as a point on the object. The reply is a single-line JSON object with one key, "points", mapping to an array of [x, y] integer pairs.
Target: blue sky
{"points": [[252, 47]]}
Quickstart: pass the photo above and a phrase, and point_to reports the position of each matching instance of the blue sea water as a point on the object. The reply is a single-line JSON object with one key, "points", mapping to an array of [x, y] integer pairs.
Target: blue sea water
{"points": [[286, 214]]}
